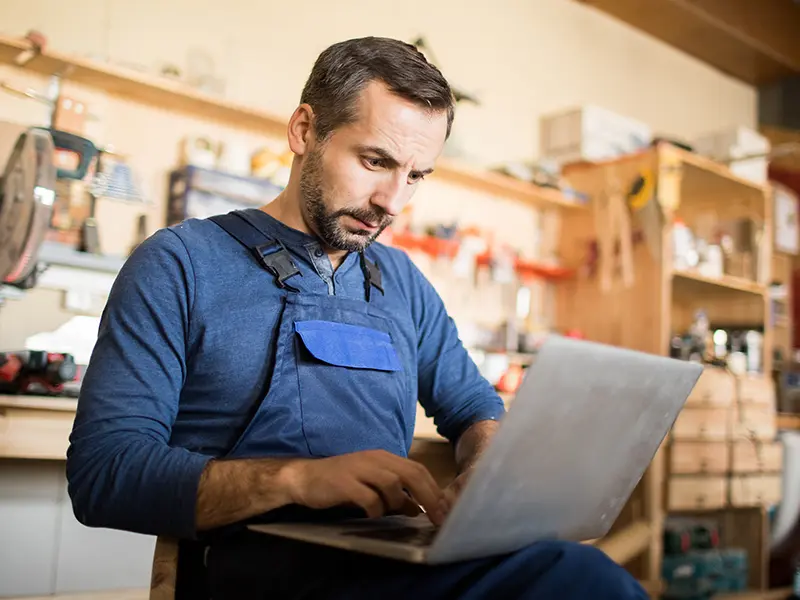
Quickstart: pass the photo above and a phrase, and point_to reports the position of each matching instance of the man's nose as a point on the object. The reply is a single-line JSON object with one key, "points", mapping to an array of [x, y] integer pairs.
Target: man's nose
{"points": [[392, 194]]}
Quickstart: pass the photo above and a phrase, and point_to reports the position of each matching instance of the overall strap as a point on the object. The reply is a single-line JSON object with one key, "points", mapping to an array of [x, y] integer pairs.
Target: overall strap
{"points": [[271, 254], [372, 275]]}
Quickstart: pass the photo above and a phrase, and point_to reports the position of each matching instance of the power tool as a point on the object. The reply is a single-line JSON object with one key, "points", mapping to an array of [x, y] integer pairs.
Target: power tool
{"points": [[27, 194], [34, 371]]}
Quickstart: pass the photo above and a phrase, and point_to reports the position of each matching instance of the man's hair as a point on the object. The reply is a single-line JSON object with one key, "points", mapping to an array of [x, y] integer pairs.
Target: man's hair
{"points": [[343, 70]]}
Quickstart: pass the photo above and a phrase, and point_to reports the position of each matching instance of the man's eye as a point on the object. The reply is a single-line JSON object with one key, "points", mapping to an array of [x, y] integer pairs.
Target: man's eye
{"points": [[375, 163], [415, 177]]}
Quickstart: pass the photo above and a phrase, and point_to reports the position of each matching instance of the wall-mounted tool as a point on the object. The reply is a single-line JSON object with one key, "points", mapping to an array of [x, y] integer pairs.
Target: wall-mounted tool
{"points": [[27, 192], [613, 226], [646, 210]]}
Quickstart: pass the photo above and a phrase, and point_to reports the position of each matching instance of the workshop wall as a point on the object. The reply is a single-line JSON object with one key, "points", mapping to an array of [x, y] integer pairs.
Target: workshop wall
{"points": [[521, 58]]}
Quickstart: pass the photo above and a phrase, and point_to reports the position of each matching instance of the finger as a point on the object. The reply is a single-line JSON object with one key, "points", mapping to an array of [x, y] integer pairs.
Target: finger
{"points": [[425, 487], [417, 480], [368, 499], [388, 485], [410, 508]]}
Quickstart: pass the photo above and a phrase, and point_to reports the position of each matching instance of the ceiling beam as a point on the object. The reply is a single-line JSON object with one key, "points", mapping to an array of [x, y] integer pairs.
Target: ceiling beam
{"points": [[755, 41]]}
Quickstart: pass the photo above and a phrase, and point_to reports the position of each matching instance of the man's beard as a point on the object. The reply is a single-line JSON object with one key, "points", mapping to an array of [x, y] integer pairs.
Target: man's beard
{"points": [[326, 223]]}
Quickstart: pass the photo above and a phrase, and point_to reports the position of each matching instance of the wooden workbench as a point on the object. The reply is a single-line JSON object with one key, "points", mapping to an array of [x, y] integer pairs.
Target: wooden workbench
{"points": [[35, 427]]}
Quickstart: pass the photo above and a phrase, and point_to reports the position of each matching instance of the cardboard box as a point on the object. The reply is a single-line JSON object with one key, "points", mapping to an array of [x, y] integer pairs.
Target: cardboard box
{"points": [[737, 143], [590, 133]]}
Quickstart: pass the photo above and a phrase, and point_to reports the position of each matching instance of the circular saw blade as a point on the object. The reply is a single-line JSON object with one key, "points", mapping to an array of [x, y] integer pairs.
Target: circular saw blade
{"points": [[17, 211]]}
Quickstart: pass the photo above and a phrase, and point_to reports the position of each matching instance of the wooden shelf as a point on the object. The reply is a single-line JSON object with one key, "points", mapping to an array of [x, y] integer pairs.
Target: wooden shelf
{"points": [[788, 421], [503, 185], [159, 92], [710, 173], [173, 96], [726, 282]]}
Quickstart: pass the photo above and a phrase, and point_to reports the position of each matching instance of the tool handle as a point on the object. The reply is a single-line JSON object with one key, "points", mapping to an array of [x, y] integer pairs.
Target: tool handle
{"points": [[84, 148]]}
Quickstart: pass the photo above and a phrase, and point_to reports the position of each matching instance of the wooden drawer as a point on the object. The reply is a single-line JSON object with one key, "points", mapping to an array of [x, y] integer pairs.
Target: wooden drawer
{"points": [[757, 421], [716, 387], [756, 389], [756, 490], [702, 424], [34, 433], [689, 458], [694, 493], [755, 456]]}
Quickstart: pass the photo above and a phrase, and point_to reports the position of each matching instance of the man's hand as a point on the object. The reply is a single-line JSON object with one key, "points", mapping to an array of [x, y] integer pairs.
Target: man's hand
{"points": [[469, 447], [377, 481]]}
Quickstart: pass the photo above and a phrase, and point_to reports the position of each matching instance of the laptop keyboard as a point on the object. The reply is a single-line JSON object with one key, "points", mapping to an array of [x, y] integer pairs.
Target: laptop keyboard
{"points": [[417, 536]]}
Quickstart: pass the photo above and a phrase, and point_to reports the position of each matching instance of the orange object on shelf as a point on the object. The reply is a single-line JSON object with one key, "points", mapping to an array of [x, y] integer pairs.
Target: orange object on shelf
{"points": [[426, 243], [449, 247], [533, 269], [511, 379]]}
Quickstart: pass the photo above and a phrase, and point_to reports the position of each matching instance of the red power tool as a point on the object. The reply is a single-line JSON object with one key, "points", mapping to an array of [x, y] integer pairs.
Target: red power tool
{"points": [[35, 371]]}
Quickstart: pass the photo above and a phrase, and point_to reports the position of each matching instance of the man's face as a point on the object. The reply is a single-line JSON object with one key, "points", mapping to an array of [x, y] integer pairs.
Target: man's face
{"points": [[365, 173]]}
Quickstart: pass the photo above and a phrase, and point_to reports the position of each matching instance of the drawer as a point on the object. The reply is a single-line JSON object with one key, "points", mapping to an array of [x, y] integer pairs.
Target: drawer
{"points": [[754, 421], [756, 490], [702, 424], [716, 387], [688, 458], [34, 433], [756, 389], [694, 493], [755, 456]]}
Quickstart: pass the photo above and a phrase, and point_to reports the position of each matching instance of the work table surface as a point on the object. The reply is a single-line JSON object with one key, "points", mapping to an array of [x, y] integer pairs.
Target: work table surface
{"points": [[38, 427]]}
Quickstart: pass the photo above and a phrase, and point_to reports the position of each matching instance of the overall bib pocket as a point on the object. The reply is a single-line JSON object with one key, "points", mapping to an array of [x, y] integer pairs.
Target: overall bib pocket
{"points": [[352, 388]]}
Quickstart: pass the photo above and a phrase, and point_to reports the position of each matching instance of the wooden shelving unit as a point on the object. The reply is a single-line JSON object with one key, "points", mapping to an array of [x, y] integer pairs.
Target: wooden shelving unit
{"points": [[728, 282], [662, 301], [164, 94]]}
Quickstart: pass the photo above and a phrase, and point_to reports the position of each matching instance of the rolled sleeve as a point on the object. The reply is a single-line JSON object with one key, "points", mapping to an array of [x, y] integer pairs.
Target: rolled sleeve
{"points": [[122, 472]]}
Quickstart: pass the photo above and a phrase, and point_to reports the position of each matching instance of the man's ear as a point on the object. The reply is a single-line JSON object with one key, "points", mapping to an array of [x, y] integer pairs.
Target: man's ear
{"points": [[301, 129]]}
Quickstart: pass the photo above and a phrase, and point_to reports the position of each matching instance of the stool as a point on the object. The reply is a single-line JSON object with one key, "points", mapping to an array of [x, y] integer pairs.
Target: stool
{"points": [[164, 574]]}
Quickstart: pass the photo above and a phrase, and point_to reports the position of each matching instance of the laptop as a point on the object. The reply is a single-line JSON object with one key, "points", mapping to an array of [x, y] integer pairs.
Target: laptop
{"points": [[584, 425]]}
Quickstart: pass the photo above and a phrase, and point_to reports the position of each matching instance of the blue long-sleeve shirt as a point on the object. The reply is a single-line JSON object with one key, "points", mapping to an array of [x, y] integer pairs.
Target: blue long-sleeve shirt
{"points": [[185, 345]]}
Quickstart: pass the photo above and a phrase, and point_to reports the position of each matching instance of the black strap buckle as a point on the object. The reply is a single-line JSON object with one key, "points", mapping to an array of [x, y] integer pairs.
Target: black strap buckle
{"points": [[279, 263], [372, 275]]}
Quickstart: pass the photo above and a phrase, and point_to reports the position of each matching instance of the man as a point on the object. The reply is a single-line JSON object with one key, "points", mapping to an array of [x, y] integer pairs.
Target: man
{"points": [[272, 359]]}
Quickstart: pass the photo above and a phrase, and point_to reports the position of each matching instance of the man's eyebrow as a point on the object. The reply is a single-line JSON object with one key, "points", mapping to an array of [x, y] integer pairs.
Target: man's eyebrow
{"points": [[387, 156], [382, 152]]}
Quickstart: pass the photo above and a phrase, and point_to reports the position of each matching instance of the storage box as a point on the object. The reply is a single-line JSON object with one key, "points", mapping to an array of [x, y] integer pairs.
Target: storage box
{"points": [[737, 143], [699, 458], [590, 133], [697, 492]]}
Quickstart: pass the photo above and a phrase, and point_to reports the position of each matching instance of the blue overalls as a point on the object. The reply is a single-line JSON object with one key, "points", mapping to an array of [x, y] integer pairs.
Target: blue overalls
{"points": [[337, 355]]}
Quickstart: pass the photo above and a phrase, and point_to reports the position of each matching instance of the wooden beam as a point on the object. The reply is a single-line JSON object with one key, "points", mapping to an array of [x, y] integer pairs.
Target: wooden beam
{"points": [[768, 26], [752, 41]]}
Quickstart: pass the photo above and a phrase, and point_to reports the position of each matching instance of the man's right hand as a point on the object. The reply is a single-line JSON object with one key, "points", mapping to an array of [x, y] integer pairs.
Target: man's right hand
{"points": [[375, 480]]}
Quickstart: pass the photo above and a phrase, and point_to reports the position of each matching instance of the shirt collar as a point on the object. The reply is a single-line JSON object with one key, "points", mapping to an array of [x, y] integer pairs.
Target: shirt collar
{"points": [[280, 231], [292, 238]]}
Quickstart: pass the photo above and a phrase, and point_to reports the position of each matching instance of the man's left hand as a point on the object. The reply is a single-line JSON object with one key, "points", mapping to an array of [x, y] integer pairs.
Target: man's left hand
{"points": [[454, 489]]}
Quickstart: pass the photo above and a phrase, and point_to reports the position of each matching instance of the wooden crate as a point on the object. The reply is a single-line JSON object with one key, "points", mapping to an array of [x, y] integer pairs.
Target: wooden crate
{"points": [[703, 424], [691, 457], [755, 490], [704, 492], [756, 456]]}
